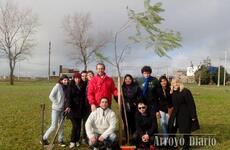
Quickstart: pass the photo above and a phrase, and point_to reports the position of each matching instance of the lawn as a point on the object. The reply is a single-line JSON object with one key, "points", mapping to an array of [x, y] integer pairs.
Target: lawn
{"points": [[20, 121]]}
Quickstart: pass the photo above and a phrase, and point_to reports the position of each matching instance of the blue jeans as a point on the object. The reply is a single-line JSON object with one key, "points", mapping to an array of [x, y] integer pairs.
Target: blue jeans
{"points": [[56, 117], [108, 142], [164, 125]]}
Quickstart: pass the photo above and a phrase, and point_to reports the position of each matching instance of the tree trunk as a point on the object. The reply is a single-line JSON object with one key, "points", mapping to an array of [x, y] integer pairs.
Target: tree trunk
{"points": [[85, 67], [11, 73], [121, 125], [85, 64]]}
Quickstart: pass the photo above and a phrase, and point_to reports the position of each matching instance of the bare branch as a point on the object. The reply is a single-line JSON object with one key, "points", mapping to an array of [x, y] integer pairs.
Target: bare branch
{"points": [[16, 29], [77, 28]]}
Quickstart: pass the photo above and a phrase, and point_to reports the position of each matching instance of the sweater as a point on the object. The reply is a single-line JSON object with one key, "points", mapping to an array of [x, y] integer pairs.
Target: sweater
{"points": [[101, 122], [57, 97]]}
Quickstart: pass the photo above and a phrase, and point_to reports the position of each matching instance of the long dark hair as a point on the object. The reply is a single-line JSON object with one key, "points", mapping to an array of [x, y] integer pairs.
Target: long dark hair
{"points": [[164, 78], [131, 77], [62, 78]]}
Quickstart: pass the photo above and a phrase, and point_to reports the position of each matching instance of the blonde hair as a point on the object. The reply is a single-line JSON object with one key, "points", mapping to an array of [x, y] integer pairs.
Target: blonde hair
{"points": [[178, 81]]}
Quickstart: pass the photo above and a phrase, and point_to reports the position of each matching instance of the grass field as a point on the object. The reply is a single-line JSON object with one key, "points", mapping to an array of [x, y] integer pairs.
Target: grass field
{"points": [[20, 121]]}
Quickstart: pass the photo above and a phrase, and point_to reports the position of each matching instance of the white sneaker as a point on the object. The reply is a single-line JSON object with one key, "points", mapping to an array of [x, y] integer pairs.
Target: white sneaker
{"points": [[95, 148], [78, 144], [71, 145]]}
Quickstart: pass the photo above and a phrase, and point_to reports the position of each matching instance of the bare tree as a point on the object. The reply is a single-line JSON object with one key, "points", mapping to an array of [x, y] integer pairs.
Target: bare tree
{"points": [[118, 55], [78, 35], [16, 29]]}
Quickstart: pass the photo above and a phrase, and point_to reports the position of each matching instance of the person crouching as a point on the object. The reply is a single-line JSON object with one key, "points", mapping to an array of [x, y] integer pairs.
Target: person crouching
{"points": [[100, 126], [146, 127]]}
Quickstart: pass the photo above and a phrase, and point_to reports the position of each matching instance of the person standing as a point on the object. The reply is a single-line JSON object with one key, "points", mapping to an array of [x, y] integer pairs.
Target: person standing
{"points": [[100, 86], [90, 75], [75, 103], [86, 77], [164, 106], [184, 116], [57, 97], [149, 86], [131, 93]]}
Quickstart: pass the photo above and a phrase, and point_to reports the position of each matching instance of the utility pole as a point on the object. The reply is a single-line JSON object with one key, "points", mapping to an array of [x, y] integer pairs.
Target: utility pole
{"points": [[218, 83], [225, 67], [49, 61]]}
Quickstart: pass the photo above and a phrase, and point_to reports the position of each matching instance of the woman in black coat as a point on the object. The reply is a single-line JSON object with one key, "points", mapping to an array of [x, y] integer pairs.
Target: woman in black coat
{"points": [[131, 93], [164, 106], [146, 126], [75, 103], [184, 116]]}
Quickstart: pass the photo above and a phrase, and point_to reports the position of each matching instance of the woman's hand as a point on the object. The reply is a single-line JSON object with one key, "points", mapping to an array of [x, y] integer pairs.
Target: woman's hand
{"points": [[193, 119], [67, 109], [158, 114]]}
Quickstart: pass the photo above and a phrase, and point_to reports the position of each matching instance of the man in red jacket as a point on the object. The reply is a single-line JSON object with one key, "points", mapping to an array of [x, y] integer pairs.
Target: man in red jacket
{"points": [[100, 86]]}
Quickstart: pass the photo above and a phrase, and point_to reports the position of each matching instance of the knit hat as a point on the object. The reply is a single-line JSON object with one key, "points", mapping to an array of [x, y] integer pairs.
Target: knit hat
{"points": [[77, 75]]}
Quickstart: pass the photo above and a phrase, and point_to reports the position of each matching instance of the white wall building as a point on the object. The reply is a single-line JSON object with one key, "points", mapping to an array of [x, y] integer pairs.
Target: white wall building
{"points": [[191, 71]]}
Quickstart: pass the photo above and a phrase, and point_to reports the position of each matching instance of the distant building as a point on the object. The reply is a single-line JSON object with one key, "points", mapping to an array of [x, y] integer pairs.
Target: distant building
{"points": [[212, 69], [67, 71], [191, 71], [180, 74]]}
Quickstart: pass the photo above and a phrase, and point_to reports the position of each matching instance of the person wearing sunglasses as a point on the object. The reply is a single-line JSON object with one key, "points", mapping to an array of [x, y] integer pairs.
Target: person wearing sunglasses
{"points": [[146, 126]]}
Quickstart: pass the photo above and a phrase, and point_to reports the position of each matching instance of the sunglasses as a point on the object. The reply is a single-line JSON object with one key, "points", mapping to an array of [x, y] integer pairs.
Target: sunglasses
{"points": [[141, 107]]}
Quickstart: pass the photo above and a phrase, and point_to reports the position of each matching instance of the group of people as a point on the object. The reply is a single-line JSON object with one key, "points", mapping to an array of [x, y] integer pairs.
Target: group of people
{"points": [[86, 100]]}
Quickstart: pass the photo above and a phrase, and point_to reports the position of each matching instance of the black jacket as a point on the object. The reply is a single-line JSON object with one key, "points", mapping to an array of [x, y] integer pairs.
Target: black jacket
{"points": [[75, 100], [146, 124], [152, 96], [131, 93], [183, 112], [164, 100]]}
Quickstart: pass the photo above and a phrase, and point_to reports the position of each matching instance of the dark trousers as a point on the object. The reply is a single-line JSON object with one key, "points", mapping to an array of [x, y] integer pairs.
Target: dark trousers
{"points": [[76, 129], [186, 137], [84, 119]]}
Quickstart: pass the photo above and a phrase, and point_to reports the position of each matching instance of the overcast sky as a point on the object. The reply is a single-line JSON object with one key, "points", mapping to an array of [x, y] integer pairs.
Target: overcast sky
{"points": [[203, 24]]}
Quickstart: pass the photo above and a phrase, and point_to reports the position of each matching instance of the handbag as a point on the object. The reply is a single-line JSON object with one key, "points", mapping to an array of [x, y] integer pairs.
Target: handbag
{"points": [[195, 125]]}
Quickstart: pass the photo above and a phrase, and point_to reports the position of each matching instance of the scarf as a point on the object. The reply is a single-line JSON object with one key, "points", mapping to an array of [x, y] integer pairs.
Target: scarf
{"points": [[146, 85]]}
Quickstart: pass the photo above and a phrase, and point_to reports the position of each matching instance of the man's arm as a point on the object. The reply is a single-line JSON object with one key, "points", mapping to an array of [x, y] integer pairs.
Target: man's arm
{"points": [[112, 121], [88, 125], [114, 89], [91, 93]]}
